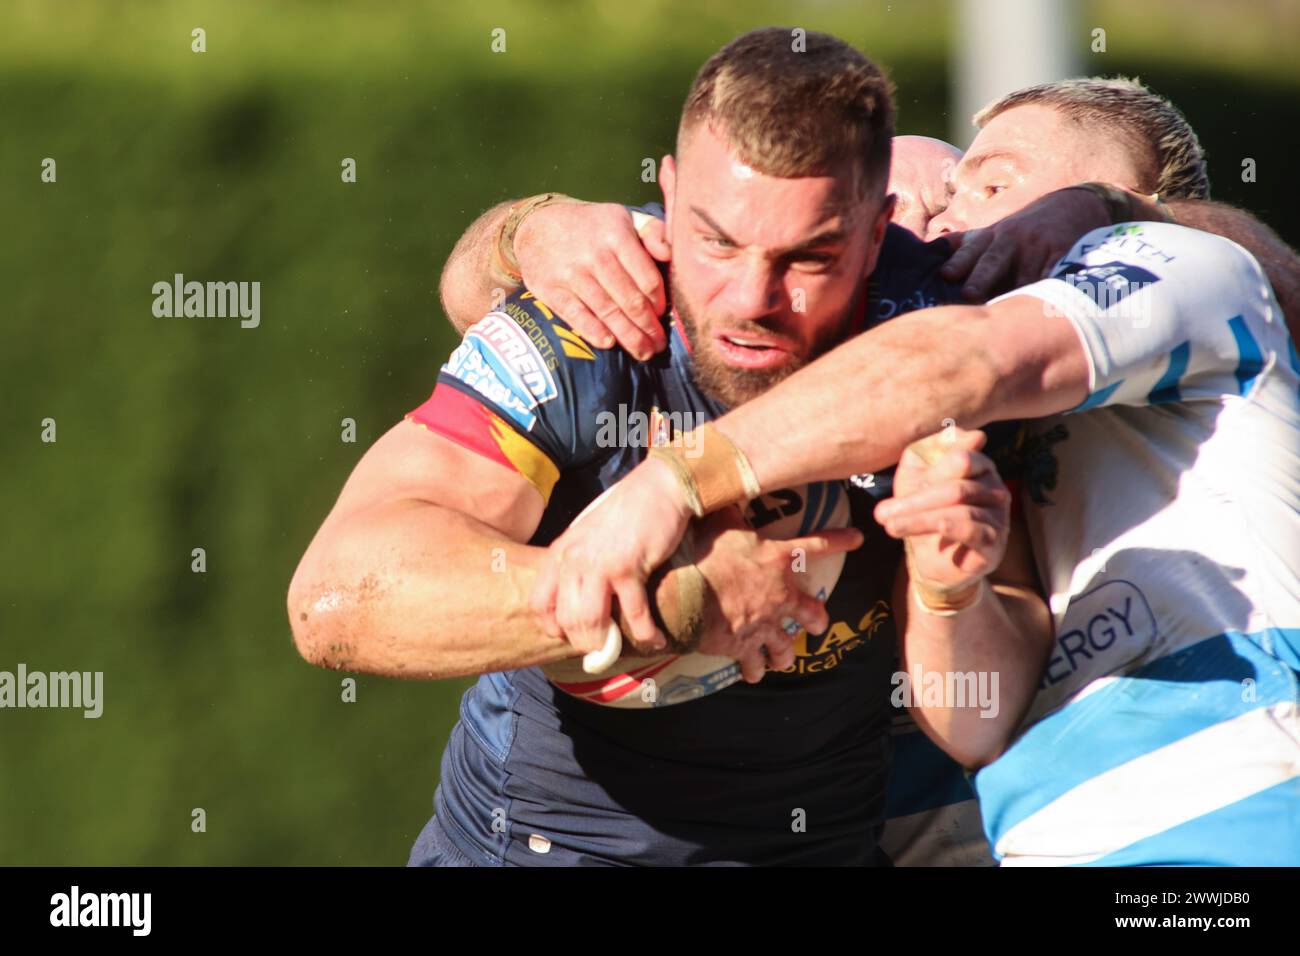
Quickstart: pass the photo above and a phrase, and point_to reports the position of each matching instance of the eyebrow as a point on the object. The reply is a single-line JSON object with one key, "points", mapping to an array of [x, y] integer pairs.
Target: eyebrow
{"points": [[823, 238], [992, 154], [973, 163], [708, 220]]}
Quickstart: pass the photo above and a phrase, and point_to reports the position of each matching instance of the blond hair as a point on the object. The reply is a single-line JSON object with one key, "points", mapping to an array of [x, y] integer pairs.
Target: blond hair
{"points": [[1156, 136], [796, 104]]}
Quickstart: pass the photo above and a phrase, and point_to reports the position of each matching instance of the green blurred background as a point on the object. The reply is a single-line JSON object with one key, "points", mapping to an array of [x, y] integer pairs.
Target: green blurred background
{"points": [[175, 434]]}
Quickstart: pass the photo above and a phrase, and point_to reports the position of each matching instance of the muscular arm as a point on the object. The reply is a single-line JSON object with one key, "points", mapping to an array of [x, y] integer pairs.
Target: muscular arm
{"points": [[401, 581], [968, 364], [467, 284], [589, 262], [1007, 633], [971, 364]]}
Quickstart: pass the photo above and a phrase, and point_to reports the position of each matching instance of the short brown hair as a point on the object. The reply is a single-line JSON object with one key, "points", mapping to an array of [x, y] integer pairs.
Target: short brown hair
{"points": [[795, 103], [1158, 138]]}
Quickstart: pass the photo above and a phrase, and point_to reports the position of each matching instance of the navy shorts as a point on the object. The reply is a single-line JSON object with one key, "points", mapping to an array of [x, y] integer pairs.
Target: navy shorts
{"points": [[434, 848]]}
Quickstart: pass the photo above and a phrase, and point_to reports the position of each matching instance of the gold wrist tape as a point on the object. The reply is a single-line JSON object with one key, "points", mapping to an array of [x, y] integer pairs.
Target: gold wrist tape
{"points": [[716, 475], [948, 607], [504, 263], [503, 273], [683, 475], [937, 598]]}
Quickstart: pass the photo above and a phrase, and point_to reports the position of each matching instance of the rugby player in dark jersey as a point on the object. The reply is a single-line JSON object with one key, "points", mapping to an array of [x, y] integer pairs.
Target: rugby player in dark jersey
{"points": [[932, 817], [423, 568]]}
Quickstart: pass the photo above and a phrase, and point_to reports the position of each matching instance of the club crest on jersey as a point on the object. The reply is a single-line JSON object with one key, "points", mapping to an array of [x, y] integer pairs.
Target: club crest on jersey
{"points": [[501, 362]]}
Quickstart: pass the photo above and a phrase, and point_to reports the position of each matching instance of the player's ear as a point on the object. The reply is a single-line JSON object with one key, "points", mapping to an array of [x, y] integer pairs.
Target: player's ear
{"points": [[668, 183], [878, 226], [883, 219]]}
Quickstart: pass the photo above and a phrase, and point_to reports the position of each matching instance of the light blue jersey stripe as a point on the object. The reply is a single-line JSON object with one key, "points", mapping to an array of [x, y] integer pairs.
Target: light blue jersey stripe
{"points": [[1282, 643], [1291, 353], [1156, 705], [1166, 390], [1098, 397], [1251, 360], [1261, 830]]}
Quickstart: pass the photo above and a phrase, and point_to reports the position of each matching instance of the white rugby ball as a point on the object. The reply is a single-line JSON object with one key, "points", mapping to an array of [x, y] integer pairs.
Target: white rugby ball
{"points": [[645, 682]]}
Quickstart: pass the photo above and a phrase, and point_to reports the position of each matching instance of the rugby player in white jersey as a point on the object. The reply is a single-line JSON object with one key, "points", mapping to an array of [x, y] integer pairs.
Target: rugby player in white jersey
{"points": [[1165, 729]]}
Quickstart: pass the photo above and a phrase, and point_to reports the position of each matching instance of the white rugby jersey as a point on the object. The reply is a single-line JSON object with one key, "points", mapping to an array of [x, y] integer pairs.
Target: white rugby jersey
{"points": [[1166, 523]]}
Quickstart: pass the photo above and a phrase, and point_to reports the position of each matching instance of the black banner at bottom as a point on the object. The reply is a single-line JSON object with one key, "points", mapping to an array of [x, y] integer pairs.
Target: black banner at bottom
{"points": [[333, 906]]}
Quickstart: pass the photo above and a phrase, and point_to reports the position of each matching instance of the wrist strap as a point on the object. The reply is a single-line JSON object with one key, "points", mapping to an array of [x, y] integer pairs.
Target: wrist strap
{"points": [[937, 599], [948, 608], [504, 263], [714, 475]]}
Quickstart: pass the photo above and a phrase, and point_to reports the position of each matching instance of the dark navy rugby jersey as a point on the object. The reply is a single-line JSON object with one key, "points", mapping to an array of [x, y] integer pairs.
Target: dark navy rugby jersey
{"points": [[789, 771]]}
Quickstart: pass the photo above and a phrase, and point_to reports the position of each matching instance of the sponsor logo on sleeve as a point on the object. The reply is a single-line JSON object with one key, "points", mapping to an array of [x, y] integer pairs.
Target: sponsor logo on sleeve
{"points": [[501, 362], [1130, 239], [1107, 283]]}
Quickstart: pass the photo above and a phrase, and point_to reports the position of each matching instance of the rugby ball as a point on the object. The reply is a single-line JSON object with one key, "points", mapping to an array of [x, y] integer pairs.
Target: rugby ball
{"points": [[644, 682]]}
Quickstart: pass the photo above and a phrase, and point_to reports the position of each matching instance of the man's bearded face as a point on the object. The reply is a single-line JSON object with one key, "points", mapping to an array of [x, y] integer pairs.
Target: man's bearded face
{"points": [[731, 384], [765, 269]]}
